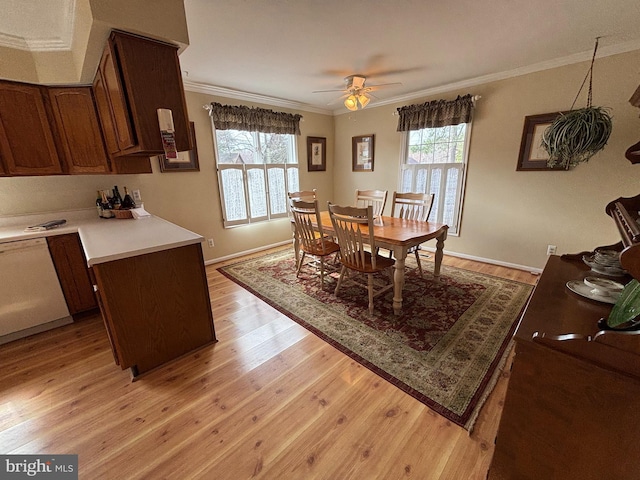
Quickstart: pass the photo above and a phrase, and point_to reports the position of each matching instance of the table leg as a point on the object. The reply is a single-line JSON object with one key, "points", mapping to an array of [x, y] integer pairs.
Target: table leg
{"points": [[439, 253], [398, 278]]}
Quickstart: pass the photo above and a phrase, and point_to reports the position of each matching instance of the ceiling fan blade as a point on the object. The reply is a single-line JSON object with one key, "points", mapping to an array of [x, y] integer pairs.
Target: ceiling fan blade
{"points": [[339, 99], [332, 90], [384, 84]]}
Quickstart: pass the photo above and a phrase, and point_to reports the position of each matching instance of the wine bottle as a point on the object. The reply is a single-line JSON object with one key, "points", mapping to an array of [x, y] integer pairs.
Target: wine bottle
{"points": [[107, 209], [127, 201], [99, 203], [117, 199]]}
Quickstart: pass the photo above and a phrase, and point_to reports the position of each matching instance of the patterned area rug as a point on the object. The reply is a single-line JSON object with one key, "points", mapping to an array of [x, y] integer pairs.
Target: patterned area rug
{"points": [[445, 349]]}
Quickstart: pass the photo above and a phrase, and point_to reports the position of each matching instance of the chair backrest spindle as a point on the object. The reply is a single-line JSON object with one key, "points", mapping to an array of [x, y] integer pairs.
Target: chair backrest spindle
{"points": [[412, 206]]}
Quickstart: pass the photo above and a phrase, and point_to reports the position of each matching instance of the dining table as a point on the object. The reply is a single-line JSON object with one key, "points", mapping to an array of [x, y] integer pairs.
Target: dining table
{"points": [[398, 235]]}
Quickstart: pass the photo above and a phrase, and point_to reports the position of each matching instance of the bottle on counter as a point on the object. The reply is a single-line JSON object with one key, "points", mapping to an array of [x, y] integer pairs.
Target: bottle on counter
{"points": [[107, 208], [99, 203], [127, 201], [116, 199]]}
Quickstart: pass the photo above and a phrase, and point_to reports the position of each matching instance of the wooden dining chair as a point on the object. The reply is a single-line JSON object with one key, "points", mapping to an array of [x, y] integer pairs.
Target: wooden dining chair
{"points": [[348, 223], [374, 198], [312, 239], [304, 195], [412, 206]]}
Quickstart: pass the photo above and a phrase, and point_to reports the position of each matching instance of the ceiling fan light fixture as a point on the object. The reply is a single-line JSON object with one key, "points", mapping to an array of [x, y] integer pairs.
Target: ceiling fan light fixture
{"points": [[364, 100], [351, 102]]}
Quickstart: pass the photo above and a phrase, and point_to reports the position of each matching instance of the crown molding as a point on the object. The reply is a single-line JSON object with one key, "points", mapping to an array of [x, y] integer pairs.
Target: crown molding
{"points": [[537, 67], [54, 43], [251, 97]]}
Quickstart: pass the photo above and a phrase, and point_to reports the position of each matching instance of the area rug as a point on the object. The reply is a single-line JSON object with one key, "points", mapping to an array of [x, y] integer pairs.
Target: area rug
{"points": [[445, 349]]}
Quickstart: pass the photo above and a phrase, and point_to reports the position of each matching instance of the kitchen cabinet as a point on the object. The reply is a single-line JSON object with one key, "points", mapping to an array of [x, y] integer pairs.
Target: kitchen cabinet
{"points": [[136, 76], [79, 136], [78, 130], [71, 267], [27, 145], [155, 306]]}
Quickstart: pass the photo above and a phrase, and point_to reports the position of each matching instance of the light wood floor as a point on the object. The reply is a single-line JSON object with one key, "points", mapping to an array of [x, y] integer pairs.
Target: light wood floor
{"points": [[269, 400]]}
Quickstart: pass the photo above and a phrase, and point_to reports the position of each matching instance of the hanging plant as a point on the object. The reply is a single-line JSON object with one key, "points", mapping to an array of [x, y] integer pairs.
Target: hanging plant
{"points": [[577, 136]]}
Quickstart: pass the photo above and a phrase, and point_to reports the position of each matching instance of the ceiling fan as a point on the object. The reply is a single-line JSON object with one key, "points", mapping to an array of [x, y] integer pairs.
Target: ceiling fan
{"points": [[355, 93]]}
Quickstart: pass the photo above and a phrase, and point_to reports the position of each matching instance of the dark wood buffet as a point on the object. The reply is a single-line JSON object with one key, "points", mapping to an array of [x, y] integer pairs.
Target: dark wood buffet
{"points": [[572, 409]]}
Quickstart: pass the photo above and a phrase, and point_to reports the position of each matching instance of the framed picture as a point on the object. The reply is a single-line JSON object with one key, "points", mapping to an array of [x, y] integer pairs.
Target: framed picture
{"points": [[316, 154], [362, 150], [532, 155], [186, 161]]}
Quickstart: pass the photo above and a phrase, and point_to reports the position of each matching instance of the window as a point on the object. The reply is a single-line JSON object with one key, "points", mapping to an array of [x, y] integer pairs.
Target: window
{"points": [[256, 161], [255, 172], [434, 161]]}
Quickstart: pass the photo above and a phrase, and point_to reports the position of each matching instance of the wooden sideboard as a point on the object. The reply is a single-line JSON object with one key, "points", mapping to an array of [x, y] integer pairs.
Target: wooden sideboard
{"points": [[572, 408]]}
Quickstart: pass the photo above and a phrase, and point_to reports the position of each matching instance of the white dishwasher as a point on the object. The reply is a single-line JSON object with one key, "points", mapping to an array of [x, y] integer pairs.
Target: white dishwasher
{"points": [[31, 300]]}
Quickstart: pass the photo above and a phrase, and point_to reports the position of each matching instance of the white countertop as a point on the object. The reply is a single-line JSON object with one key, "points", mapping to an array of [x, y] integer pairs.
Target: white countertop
{"points": [[104, 240]]}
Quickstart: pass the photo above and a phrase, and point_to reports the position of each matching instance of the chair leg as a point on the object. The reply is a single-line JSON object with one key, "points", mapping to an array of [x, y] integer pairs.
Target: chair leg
{"points": [[300, 264], [342, 271], [321, 272], [370, 288], [419, 264]]}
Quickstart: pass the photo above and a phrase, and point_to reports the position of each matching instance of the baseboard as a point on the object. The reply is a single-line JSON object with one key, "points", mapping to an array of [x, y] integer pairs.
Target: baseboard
{"points": [[246, 252], [533, 270], [43, 327]]}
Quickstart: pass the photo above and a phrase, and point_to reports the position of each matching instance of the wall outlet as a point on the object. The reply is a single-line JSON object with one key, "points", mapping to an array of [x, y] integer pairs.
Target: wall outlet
{"points": [[210, 242], [551, 249], [136, 196]]}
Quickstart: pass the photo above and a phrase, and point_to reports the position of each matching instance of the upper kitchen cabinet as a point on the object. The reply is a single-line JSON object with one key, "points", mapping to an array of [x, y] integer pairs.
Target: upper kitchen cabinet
{"points": [[78, 130], [27, 144], [136, 76]]}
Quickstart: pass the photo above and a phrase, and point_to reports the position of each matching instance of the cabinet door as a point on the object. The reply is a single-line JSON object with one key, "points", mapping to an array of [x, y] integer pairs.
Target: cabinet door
{"points": [[112, 105], [71, 266], [26, 141], [79, 130], [152, 79]]}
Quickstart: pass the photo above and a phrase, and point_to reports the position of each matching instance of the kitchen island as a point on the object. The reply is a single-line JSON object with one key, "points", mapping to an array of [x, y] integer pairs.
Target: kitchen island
{"points": [[149, 279]]}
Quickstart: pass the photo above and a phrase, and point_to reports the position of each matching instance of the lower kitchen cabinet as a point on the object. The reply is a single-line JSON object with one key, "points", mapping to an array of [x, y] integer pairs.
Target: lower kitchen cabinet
{"points": [[71, 267], [155, 306]]}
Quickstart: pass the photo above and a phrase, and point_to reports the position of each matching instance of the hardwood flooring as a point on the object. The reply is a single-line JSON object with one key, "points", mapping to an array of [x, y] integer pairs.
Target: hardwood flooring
{"points": [[269, 400]]}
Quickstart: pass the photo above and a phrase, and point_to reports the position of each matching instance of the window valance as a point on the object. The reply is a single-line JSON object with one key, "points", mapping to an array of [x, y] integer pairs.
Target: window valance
{"points": [[253, 119], [434, 114]]}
